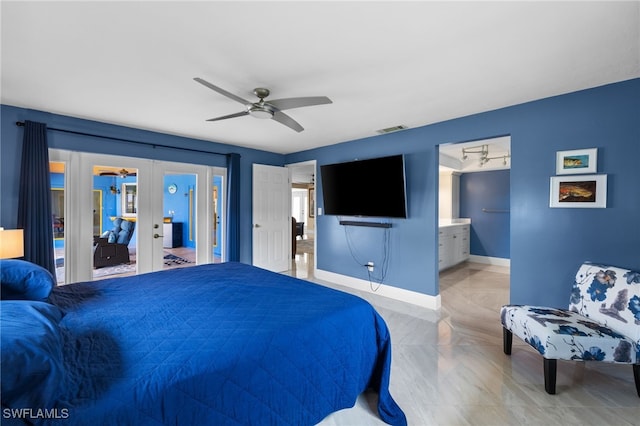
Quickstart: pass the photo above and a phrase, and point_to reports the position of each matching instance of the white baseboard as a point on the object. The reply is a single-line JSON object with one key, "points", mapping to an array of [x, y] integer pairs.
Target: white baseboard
{"points": [[488, 260], [385, 290]]}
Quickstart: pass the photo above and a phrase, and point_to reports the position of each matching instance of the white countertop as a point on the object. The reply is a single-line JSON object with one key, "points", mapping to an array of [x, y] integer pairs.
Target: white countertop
{"points": [[442, 223]]}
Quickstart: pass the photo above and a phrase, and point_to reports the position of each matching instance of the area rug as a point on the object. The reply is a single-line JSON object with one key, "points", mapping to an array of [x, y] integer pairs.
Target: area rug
{"points": [[173, 260], [169, 260], [114, 270]]}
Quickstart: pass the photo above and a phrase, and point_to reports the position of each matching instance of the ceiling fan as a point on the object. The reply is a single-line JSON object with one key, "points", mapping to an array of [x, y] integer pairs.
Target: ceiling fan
{"points": [[267, 109], [122, 173]]}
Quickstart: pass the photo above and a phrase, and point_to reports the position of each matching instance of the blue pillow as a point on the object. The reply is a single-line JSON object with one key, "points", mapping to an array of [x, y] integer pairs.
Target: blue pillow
{"points": [[32, 366], [116, 224], [125, 229], [22, 280]]}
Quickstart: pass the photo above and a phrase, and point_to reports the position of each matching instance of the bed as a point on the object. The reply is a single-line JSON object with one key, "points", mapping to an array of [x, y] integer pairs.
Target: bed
{"points": [[218, 344]]}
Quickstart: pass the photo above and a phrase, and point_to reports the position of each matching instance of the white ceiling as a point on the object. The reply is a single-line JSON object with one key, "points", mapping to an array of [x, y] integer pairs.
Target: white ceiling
{"points": [[382, 63]]}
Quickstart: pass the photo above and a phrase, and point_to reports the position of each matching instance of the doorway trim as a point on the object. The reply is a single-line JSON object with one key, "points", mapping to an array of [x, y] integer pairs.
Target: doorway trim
{"points": [[446, 161], [314, 164]]}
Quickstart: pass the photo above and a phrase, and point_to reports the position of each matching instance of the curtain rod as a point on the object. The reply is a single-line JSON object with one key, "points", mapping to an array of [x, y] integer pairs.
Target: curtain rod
{"points": [[154, 145]]}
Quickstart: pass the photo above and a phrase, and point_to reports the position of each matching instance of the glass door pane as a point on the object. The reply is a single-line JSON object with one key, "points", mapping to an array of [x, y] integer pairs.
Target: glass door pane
{"points": [[97, 208], [56, 173], [180, 220], [181, 211], [115, 210]]}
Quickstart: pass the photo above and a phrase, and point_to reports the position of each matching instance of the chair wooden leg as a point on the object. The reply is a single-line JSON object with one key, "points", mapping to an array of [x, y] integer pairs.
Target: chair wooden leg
{"points": [[636, 377], [550, 368], [507, 340]]}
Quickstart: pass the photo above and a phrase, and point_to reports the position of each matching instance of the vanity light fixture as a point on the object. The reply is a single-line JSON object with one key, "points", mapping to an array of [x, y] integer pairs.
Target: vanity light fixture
{"points": [[483, 150]]}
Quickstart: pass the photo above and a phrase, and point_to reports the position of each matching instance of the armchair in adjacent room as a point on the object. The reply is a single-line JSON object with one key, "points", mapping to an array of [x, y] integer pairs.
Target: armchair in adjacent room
{"points": [[111, 248]]}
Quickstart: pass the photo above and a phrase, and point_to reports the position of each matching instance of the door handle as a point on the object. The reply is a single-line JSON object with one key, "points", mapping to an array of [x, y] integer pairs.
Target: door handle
{"points": [[256, 225], [157, 236]]}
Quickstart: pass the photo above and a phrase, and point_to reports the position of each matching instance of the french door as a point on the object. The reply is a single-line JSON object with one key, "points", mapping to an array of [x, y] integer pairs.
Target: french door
{"points": [[180, 217], [169, 207]]}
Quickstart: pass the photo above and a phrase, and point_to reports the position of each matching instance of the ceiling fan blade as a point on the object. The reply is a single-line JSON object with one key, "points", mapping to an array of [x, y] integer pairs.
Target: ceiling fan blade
{"points": [[290, 103], [283, 118], [221, 91], [224, 117]]}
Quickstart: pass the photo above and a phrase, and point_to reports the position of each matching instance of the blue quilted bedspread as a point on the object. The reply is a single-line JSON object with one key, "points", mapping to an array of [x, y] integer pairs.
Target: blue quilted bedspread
{"points": [[226, 344]]}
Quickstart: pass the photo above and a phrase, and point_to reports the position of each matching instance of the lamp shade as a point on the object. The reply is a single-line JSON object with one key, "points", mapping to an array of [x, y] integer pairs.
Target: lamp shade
{"points": [[11, 243]]}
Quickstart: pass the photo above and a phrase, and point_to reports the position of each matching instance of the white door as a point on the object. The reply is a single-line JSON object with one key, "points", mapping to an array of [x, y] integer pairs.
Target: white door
{"points": [[271, 217]]}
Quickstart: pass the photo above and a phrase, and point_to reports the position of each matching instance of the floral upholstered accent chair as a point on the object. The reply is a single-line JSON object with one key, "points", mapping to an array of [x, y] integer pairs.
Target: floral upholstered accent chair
{"points": [[602, 322]]}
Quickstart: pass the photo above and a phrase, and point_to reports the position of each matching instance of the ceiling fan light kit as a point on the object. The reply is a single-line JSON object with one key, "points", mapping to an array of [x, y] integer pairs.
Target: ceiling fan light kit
{"points": [[260, 112], [271, 109]]}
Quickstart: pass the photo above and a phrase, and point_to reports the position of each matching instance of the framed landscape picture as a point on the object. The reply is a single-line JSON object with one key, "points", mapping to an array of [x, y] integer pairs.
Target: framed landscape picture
{"points": [[577, 161], [588, 191]]}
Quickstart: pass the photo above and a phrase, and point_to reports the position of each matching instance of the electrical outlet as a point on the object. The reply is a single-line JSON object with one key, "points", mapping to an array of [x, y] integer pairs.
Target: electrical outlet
{"points": [[370, 266]]}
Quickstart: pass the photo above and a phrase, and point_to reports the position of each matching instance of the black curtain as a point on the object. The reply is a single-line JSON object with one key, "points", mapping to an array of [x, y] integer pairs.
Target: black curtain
{"points": [[34, 203], [233, 207]]}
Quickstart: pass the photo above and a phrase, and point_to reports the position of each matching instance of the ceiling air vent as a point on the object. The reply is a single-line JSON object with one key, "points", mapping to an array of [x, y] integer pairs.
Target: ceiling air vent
{"points": [[392, 129]]}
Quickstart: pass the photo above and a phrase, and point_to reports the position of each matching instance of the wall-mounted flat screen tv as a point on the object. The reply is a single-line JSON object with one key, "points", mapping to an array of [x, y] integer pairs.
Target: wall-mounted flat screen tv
{"points": [[369, 188]]}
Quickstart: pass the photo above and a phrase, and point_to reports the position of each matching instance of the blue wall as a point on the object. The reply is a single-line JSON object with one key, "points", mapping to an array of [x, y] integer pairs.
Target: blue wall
{"points": [[11, 151], [547, 245], [411, 242], [490, 191]]}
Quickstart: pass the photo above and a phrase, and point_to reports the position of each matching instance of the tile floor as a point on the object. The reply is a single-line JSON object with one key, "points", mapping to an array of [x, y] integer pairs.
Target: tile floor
{"points": [[448, 367]]}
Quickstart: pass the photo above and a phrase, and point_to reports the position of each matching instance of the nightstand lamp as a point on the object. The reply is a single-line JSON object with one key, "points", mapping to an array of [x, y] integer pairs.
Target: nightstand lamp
{"points": [[11, 243]]}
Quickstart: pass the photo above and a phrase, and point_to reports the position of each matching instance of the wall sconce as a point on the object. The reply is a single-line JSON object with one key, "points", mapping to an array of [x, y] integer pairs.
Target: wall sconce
{"points": [[11, 243], [114, 189]]}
